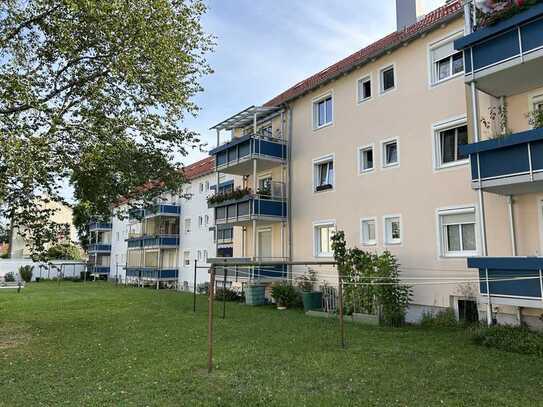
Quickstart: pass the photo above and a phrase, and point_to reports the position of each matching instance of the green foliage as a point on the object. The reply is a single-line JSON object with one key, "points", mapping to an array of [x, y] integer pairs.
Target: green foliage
{"points": [[371, 282], [95, 93], [510, 339], [497, 122], [9, 277], [535, 118], [203, 288], [285, 294], [64, 251], [307, 281], [441, 319], [237, 193], [509, 9], [226, 294], [26, 273]]}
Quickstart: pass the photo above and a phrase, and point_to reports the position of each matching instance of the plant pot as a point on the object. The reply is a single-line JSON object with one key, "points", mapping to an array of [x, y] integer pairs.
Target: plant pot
{"points": [[312, 300]]}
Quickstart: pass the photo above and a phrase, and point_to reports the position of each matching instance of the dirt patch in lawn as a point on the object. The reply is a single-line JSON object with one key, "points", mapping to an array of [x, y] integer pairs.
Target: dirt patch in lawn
{"points": [[13, 335]]}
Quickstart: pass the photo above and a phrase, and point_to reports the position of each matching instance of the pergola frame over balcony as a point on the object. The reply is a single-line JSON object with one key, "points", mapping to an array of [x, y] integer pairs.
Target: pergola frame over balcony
{"points": [[245, 118]]}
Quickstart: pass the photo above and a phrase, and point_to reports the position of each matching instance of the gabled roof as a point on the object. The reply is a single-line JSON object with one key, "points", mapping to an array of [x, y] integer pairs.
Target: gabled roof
{"points": [[396, 39], [199, 168]]}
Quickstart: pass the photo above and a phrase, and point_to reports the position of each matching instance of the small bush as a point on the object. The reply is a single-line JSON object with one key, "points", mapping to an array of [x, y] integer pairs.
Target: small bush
{"points": [[510, 339], [441, 319], [26, 273], [285, 295], [9, 278], [226, 294]]}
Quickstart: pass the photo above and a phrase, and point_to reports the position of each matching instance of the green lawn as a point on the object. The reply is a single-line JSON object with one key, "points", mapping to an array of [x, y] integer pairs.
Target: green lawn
{"points": [[96, 344]]}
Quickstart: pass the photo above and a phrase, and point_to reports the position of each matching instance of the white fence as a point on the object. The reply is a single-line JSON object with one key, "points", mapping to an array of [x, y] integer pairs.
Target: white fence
{"points": [[51, 270]]}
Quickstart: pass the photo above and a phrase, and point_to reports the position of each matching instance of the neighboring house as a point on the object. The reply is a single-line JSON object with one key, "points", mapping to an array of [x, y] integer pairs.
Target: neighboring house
{"points": [[64, 215], [161, 243], [372, 146]]}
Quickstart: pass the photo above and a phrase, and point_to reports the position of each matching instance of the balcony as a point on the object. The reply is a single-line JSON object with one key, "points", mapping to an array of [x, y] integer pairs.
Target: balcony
{"points": [[270, 271], [241, 206], [99, 226], [100, 248], [99, 269], [505, 58], [509, 165], [517, 280], [151, 273], [153, 211], [236, 156], [161, 242]]}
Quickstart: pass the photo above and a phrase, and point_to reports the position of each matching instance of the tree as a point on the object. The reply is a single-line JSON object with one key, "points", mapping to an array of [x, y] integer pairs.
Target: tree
{"points": [[94, 92], [64, 251]]}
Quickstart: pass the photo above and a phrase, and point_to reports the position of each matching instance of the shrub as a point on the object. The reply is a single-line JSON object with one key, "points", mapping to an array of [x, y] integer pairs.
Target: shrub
{"points": [[510, 339], [307, 281], [226, 294], [285, 294], [441, 319], [64, 251], [203, 288], [9, 277], [26, 273]]}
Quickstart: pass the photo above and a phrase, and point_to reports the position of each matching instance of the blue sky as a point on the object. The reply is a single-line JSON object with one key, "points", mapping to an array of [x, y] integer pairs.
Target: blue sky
{"points": [[266, 46]]}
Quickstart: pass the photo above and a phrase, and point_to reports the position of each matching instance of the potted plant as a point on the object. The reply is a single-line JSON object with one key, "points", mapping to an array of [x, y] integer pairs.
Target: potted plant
{"points": [[312, 299], [284, 295]]}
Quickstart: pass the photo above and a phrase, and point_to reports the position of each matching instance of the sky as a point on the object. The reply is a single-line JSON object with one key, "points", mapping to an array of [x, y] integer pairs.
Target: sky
{"points": [[266, 46]]}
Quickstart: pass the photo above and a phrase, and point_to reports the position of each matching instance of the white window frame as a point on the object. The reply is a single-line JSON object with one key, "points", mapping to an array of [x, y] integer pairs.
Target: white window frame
{"points": [[364, 79], [316, 241], [384, 143], [376, 227], [392, 241], [199, 255], [200, 221], [206, 220], [315, 173], [433, 74], [185, 257], [314, 110], [360, 159], [382, 70], [437, 128], [259, 231], [185, 231], [442, 246]]}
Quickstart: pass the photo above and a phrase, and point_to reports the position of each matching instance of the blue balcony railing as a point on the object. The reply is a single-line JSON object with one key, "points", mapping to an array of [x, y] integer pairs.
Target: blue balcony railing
{"points": [[163, 241], [508, 165], [234, 157], [99, 269], [99, 226], [514, 44], [250, 207], [99, 248], [149, 273], [514, 277]]}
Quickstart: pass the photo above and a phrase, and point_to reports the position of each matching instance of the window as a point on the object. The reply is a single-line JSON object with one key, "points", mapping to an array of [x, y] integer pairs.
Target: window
{"points": [[199, 255], [390, 153], [205, 256], [393, 229], [186, 258], [446, 61], [388, 79], [265, 186], [368, 232], [200, 222], [324, 174], [365, 159], [188, 225], [448, 142], [323, 239], [322, 112], [206, 220], [206, 186], [364, 89], [201, 187], [457, 229]]}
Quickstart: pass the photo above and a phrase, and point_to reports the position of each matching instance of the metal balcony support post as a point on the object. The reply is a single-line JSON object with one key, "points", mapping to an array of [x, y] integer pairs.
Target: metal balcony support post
{"points": [[510, 203], [541, 283], [467, 18], [252, 210]]}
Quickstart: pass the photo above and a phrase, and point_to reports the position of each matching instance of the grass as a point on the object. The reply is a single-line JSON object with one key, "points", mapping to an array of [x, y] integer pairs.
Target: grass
{"points": [[96, 344]]}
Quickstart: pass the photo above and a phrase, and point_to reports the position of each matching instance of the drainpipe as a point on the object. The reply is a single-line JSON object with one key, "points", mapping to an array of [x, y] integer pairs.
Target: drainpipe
{"points": [[510, 203], [482, 221], [254, 188], [289, 184], [217, 193]]}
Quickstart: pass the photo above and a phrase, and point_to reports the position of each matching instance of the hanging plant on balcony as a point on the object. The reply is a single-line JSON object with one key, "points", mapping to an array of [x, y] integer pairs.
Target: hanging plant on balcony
{"points": [[490, 12], [236, 194], [535, 118], [497, 122]]}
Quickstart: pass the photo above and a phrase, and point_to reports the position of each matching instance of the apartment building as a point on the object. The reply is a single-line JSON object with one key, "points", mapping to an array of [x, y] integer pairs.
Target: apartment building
{"points": [[372, 145], [160, 244], [99, 249]]}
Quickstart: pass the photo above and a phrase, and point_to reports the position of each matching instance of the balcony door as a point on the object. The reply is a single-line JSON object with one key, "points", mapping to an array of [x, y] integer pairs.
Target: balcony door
{"points": [[264, 247]]}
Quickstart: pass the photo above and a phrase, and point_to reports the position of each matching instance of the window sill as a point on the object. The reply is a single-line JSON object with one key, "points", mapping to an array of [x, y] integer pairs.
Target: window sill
{"points": [[362, 101], [386, 92], [454, 164], [450, 78], [316, 128], [393, 165], [365, 172], [323, 188], [462, 255], [398, 243], [369, 244]]}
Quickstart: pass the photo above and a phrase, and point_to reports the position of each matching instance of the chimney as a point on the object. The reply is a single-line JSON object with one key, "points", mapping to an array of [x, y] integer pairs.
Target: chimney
{"points": [[407, 12]]}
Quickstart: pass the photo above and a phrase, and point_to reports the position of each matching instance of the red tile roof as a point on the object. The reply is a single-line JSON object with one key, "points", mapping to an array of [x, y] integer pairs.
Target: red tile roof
{"points": [[199, 168], [428, 22]]}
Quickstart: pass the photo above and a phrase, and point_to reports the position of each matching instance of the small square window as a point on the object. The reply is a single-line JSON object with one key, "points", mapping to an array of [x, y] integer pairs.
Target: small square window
{"points": [[366, 159], [393, 230], [186, 258], [388, 80], [448, 144], [458, 232], [368, 232], [323, 239], [324, 175], [322, 112], [390, 153], [188, 225], [364, 89]]}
